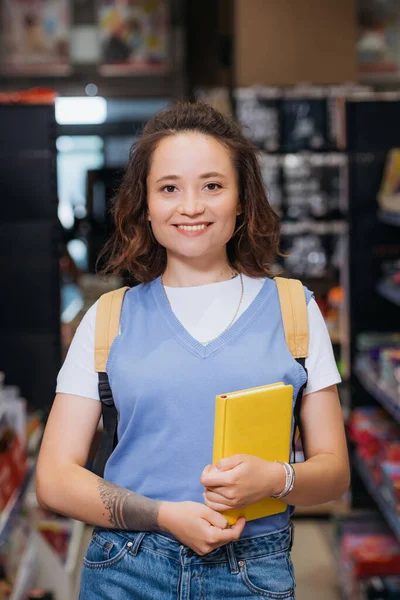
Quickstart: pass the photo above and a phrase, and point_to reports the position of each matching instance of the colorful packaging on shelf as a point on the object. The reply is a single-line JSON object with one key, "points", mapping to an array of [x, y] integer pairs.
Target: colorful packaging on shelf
{"points": [[391, 483], [376, 436], [366, 555], [13, 458]]}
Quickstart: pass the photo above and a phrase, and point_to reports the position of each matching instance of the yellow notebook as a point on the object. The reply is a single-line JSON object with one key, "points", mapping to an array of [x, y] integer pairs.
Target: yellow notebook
{"points": [[255, 421]]}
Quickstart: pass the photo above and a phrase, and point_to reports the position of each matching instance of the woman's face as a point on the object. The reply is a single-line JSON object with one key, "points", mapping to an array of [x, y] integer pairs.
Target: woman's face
{"points": [[192, 195]]}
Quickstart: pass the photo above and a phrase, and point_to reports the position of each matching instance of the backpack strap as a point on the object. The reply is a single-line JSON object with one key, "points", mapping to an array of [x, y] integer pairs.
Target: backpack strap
{"points": [[107, 328], [107, 325], [294, 315], [295, 323]]}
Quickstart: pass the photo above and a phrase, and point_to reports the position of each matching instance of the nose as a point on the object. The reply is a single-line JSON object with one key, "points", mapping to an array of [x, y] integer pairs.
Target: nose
{"points": [[191, 205]]}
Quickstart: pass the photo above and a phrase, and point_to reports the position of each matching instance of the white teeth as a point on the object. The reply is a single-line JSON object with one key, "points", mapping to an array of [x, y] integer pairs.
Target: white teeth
{"points": [[192, 227]]}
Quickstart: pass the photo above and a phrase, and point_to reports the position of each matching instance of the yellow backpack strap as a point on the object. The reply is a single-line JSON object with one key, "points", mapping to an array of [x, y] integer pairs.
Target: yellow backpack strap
{"points": [[294, 315], [295, 323], [107, 325]]}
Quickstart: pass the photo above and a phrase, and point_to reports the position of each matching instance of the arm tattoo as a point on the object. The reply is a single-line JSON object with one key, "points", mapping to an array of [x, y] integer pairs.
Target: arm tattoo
{"points": [[128, 510]]}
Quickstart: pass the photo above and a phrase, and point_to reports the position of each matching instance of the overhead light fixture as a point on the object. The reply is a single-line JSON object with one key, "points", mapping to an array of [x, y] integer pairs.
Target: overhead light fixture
{"points": [[81, 111]]}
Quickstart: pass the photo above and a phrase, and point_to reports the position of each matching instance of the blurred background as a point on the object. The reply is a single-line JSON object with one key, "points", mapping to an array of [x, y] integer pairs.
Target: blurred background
{"points": [[316, 85]]}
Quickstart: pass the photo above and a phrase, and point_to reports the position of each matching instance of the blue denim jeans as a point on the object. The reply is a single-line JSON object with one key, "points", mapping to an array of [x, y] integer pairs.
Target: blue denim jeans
{"points": [[150, 566]]}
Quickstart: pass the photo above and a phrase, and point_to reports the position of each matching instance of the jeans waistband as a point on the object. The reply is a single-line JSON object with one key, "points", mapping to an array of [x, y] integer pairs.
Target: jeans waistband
{"points": [[244, 548]]}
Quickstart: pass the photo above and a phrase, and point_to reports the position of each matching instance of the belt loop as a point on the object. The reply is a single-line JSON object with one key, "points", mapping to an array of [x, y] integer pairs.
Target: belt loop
{"points": [[136, 543], [233, 564]]}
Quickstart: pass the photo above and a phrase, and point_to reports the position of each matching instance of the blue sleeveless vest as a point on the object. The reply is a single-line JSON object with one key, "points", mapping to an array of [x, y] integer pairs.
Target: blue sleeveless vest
{"points": [[164, 384]]}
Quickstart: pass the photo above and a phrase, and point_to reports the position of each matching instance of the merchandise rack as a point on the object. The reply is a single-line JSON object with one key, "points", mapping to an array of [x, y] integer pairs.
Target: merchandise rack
{"points": [[373, 240], [382, 499], [368, 378], [10, 512]]}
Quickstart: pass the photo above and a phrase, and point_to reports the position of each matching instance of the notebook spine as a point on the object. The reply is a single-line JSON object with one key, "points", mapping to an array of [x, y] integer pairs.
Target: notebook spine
{"points": [[219, 429]]}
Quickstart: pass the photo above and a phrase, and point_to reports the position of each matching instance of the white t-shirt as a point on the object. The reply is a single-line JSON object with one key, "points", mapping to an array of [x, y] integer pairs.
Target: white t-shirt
{"points": [[205, 311]]}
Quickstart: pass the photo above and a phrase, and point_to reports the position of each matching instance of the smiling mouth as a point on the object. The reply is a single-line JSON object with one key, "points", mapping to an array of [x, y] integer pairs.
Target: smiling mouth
{"points": [[193, 227]]}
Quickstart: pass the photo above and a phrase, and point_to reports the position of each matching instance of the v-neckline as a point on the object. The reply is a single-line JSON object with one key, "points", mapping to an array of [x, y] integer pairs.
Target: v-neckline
{"points": [[188, 341]]}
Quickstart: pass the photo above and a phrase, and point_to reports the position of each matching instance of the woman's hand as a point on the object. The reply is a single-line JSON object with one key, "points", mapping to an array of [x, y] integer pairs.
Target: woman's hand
{"points": [[197, 526], [240, 480]]}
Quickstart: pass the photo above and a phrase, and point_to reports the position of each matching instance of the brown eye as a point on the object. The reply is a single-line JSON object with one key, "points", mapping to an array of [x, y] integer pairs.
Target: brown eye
{"points": [[212, 187], [169, 189]]}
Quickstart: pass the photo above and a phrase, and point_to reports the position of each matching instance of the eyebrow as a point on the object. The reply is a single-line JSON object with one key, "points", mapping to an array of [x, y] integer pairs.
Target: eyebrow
{"points": [[203, 176]]}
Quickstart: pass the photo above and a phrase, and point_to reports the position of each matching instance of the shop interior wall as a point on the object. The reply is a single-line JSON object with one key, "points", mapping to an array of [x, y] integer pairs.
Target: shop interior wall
{"points": [[281, 42]]}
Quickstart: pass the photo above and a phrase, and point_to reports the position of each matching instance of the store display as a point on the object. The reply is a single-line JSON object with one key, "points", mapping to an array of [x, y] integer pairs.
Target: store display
{"points": [[134, 37], [35, 37], [258, 110], [367, 557], [305, 119], [315, 186]]}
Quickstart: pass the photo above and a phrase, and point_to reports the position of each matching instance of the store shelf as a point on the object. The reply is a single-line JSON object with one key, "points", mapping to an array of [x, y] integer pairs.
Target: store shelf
{"points": [[367, 376], [390, 218], [378, 494], [26, 572], [11, 510], [389, 291]]}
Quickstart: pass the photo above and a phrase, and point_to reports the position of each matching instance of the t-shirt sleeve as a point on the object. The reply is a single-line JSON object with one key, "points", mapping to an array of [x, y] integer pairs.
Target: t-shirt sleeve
{"points": [[320, 364], [77, 375]]}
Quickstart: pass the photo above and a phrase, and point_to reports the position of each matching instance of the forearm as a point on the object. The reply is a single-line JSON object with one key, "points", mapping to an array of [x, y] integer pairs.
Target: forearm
{"points": [[319, 479], [77, 493]]}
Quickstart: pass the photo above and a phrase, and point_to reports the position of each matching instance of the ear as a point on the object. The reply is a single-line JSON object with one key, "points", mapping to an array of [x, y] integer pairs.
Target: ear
{"points": [[239, 210]]}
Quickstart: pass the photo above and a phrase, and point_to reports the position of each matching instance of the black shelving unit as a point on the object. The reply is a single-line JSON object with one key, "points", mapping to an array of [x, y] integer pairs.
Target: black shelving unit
{"points": [[30, 345], [370, 134]]}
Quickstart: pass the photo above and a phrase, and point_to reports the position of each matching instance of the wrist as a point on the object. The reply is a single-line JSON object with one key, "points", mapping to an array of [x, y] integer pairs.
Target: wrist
{"points": [[278, 479], [164, 516]]}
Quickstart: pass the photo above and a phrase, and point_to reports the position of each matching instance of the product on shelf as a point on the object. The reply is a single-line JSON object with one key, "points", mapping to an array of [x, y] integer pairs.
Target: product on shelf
{"points": [[366, 553], [389, 193], [383, 354], [377, 438], [13, 459], [315, 185], [258, 110]]}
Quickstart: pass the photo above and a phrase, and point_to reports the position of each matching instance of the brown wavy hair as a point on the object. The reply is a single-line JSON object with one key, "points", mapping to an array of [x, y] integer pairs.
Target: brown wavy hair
{"points": [[133, 251]]}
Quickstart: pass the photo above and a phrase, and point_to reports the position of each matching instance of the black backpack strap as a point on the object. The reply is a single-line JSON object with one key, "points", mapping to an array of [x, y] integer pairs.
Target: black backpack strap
{"points": [[107, 328], [110, 426], [297, 407]]}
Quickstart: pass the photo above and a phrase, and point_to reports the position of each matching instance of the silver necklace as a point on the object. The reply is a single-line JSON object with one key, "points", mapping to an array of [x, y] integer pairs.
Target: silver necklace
{"points": [[234, 316]]}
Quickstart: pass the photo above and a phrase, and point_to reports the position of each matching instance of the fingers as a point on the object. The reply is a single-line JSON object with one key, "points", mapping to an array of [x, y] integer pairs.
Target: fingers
{"points": [[215, 518], [230, 462], [221, 496], [212, 477], [234, 532], [217, 507]]}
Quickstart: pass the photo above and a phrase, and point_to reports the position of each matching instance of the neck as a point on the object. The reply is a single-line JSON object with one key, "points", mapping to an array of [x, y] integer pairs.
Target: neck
{"points": [[184, 273]]}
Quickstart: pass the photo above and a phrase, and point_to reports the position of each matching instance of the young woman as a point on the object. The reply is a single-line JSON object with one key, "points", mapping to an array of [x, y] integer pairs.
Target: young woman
{"points": [[193, 225]]}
